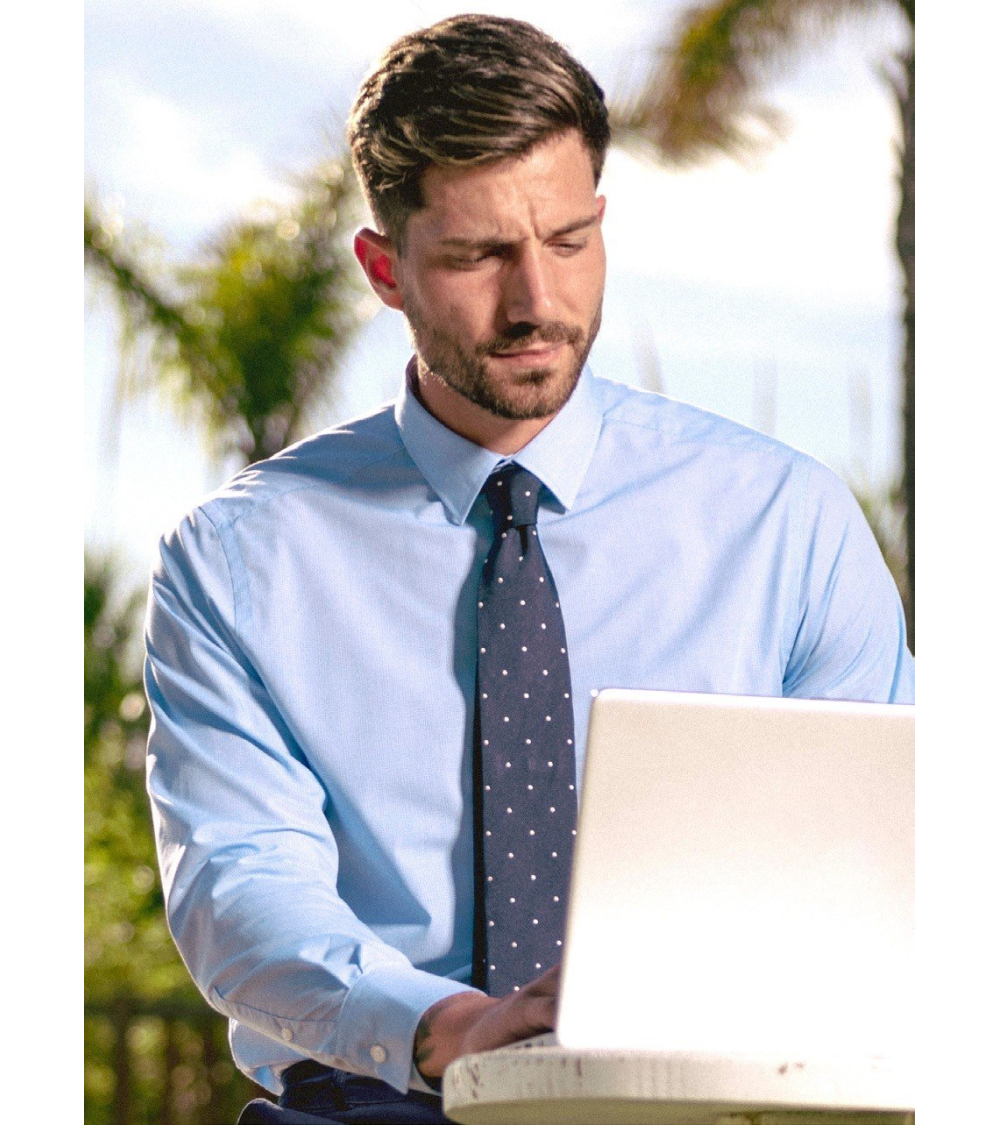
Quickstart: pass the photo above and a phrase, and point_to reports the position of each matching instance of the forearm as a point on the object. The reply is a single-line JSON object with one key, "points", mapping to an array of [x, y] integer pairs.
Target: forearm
{"points": [[288, 960]]}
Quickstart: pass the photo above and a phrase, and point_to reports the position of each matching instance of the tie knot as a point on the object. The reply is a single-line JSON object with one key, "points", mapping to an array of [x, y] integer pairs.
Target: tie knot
{"points": [[512, 495]]}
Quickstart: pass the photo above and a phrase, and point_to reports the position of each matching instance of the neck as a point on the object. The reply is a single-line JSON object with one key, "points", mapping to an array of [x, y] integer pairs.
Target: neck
{"points": [[500, 435]]}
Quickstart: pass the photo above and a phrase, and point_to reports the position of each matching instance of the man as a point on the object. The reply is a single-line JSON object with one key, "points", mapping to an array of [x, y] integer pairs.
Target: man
{"points": [[355, 646]]}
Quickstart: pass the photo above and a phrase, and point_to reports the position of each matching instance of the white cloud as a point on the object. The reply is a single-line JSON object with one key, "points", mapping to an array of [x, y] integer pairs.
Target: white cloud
{"points": [[178, 171], [345, 39]]}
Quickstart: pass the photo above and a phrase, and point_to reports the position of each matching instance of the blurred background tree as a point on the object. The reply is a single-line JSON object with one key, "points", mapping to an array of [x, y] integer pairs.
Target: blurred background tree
{"points": [[245, 338], [705, 96]]}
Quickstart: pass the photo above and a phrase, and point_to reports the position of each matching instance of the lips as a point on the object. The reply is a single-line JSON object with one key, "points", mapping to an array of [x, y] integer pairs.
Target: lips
{"points": [[538, 352], [529, 353], [540, 343]]}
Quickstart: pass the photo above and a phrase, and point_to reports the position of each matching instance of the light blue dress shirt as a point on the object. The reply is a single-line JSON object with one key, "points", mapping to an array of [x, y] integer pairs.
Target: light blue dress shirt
{"points": [[311, 664]]}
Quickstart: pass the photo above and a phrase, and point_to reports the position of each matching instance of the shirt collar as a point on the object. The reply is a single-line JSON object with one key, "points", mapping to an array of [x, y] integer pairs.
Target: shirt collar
{"points": [[456, 469]]}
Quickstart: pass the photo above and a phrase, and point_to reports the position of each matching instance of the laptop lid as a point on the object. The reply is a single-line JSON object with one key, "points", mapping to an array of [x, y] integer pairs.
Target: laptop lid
{"points": [[743, 878]]}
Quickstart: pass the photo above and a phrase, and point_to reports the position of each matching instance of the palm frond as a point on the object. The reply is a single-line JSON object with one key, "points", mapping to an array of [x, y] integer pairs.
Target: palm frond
{"points": [[704, 94], [276, 297], [122, 265], [248, 332]]}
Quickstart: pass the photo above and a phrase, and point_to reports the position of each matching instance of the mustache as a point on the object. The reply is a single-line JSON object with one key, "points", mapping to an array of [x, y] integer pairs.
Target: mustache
{"points": [[521, 336]]}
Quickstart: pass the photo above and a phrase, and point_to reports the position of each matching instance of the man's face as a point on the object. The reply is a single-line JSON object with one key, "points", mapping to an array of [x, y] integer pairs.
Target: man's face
{"points": [[502, 278]]}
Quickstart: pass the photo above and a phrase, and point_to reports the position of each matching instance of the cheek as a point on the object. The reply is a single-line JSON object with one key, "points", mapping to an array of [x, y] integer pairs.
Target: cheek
{"points": [[470, 307], [587, 286], [440, 308]]}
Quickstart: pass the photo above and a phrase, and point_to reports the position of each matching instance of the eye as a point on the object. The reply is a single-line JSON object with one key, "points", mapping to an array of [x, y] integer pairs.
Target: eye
{"points": [[569, 246], [475, 258]]}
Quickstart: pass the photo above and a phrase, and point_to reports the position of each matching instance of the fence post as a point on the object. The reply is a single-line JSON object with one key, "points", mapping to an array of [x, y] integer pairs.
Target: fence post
{"points": [[171, 1058], [121, 1106], [210, 1058]]}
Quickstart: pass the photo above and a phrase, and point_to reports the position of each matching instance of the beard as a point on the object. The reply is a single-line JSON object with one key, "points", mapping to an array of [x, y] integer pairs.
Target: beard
{"points": [[515, 394]]}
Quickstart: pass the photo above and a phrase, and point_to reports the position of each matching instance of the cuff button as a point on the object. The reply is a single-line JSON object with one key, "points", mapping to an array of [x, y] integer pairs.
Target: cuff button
{"points": [[286, 1034], [379, 1053]]}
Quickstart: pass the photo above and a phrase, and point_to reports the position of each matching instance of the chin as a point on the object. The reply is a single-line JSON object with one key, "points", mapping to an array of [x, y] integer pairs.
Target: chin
{"points": [[529, 393]]}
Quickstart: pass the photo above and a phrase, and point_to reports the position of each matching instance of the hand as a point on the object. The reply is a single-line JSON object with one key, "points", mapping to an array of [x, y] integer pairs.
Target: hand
{"points": [[469, 1021]]}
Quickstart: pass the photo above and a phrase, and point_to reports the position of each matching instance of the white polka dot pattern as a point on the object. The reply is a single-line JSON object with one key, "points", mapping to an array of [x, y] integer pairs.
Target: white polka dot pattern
{"points": [[526, 769]]}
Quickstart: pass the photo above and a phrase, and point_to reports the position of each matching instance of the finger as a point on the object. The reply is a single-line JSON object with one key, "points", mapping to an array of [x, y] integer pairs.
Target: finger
{"points": [[547, 983], [517, 1016], [539, 1017], [530, 1013]]}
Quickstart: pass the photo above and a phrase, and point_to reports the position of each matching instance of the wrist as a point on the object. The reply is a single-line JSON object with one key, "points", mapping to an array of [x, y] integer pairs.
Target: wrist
{"points": [[441, 1032]]}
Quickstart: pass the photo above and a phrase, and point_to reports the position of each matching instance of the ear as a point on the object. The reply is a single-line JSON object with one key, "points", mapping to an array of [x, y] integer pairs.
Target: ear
{"points": [[601, 204], [379, 260]]}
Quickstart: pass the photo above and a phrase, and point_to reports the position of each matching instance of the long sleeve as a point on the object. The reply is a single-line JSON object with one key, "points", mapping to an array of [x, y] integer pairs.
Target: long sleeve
{"points": [[248, 858], [846, 633]]}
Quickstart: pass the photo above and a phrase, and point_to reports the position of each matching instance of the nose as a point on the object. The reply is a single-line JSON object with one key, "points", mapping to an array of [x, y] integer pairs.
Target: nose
{"points": [[528, 295]]}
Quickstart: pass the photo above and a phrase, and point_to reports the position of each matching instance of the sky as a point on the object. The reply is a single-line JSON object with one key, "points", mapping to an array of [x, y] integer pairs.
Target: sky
{"points": [[768, 293]]}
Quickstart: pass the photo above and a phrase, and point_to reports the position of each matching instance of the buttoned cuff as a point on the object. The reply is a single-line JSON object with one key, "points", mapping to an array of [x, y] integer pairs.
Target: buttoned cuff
{"points": [[379, 1019]]}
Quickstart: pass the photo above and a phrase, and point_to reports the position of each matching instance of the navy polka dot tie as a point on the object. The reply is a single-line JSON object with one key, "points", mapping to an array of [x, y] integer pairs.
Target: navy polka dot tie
{"points": [[525, 781]]}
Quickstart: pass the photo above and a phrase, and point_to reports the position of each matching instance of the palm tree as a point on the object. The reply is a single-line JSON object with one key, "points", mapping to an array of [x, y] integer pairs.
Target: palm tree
{"points": [[704, 96], [249, 332]]}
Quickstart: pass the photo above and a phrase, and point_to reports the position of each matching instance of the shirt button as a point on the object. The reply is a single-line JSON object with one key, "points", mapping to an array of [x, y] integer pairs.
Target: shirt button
{"points": [[379, 1053], [286, 1034]]}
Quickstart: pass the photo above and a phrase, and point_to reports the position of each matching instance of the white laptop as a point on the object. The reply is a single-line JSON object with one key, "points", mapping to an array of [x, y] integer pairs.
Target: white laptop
{"points": [[743, 878], [740, 923]]}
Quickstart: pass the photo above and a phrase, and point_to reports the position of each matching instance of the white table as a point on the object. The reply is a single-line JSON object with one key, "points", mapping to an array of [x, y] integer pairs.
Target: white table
{"points": [[556, 1086]]}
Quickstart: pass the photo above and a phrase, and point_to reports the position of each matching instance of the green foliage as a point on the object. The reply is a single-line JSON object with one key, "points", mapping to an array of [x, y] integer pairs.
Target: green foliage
{"points": [[249, 332], [704, 94], [127, 947]]}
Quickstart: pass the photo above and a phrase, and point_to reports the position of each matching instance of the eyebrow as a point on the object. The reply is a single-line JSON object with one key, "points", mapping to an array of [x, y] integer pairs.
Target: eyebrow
{"points": [[479, 243]]}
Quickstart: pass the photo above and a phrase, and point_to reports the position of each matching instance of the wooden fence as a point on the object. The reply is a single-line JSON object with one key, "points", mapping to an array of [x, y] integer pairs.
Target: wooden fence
{"points": [[160, 1063]]}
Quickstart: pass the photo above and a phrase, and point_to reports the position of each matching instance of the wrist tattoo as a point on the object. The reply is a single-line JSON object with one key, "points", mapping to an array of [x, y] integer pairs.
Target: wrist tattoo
{"points": [[421, 1048]]}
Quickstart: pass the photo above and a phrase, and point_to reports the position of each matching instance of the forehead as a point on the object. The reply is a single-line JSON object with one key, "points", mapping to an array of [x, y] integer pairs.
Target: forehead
{"points": [[551, 185]]}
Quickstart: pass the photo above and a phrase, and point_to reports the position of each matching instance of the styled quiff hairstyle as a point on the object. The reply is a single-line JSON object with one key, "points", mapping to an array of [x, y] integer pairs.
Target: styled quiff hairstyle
{"points": [[469, 90]]}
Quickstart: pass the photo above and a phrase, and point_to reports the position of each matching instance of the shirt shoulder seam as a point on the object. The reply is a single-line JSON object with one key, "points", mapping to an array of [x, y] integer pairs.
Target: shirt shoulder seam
{"points": [[227, 543], [258, 503]]}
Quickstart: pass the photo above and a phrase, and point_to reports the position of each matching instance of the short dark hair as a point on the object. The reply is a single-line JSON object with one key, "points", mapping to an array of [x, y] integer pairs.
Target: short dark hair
{"points": [[469, 90]]}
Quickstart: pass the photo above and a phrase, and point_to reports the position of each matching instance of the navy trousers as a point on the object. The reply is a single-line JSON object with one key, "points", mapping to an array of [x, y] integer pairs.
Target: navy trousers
{"points": [[318, 1095]]}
